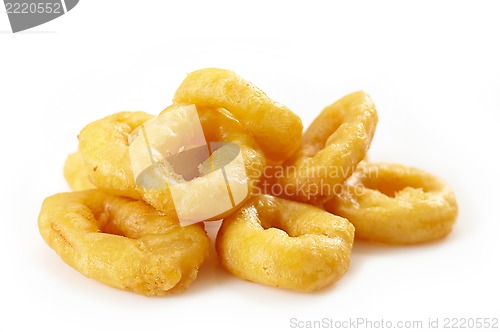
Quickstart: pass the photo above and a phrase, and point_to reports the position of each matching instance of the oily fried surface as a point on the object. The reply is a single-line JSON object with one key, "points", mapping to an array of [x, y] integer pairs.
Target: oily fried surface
{"points": [[285, 244], [103, 146], [76, 173], [275, 127], [332, 146], [137, 178], [123, 243], [397, 204]]}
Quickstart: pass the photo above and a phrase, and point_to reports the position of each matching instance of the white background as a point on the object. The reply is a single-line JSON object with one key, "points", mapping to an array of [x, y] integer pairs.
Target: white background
{"points": [[432, 69]]}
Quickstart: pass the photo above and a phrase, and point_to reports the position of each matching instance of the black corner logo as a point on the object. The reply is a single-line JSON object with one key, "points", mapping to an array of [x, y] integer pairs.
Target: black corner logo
{"points": [[26, 14]]}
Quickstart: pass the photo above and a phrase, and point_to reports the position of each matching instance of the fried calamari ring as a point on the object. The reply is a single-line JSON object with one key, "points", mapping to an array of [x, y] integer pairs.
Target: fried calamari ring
{"points": [[76, 174], [332, 146], [286, 244], [396, 204], [104, 146], [275, 128], [123, 243]]}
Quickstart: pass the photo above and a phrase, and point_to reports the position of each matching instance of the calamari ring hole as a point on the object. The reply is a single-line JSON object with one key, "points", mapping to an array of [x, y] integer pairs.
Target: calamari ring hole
{"points": [[270, 217], [391, 182], [334, 118], [105, 218], [325, 134]]}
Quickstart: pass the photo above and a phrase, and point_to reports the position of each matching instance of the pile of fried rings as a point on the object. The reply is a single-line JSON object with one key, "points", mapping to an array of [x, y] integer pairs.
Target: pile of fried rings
{"points": [[311, 193]]}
